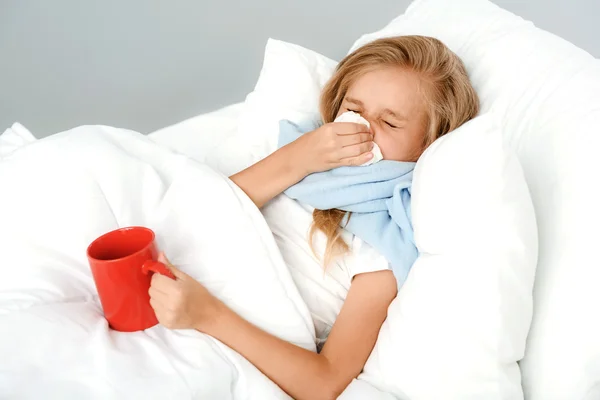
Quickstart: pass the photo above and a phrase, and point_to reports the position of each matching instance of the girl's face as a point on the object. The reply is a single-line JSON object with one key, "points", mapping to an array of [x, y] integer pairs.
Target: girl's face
{"points": [[390, 99]]}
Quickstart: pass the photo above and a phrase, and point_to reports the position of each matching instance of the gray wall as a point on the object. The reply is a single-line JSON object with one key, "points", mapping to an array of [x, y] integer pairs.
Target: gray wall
{"points": [[143, 64]]}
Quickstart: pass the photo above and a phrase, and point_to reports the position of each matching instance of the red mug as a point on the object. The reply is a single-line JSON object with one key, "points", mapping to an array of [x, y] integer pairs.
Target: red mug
{"points": [[120, 261]]}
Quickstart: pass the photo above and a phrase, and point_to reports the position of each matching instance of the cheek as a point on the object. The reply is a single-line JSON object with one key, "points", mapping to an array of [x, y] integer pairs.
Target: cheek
{"points": [[391, 145], [398, 146]]}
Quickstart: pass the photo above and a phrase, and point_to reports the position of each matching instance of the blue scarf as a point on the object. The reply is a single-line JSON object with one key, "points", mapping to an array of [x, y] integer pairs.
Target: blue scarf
{"points": [[378, 196]]}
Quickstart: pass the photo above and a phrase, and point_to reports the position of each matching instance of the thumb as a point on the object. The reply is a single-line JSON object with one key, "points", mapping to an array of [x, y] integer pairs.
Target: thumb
{"points": [[163, 259], [174, 270]]}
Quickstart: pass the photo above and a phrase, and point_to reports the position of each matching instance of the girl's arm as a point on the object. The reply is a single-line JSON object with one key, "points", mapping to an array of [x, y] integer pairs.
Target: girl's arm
{"points": [[184, 303], [331, 145], [270, 176], [302, 373]]}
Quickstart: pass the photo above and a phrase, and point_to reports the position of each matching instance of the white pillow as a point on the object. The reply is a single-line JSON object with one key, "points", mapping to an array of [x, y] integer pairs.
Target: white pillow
{"points": [[199, 136], [288, 88], [460, 322], [547, 92], [466, 307]]}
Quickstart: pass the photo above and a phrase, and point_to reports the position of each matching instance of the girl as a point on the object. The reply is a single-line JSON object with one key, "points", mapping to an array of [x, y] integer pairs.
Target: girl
{"points": [[412, 90]]}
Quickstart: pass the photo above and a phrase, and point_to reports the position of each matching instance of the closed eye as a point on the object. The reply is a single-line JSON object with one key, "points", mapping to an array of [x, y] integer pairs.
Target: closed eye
{"points": [[356, 111], [390, 125]]}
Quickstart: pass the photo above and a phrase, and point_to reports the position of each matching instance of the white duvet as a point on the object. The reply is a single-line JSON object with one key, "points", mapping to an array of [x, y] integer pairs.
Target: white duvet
{"points": [[57, 195]]}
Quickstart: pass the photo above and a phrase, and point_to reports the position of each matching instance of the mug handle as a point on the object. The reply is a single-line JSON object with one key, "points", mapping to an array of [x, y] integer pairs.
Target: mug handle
{"points": [[158, 267]]}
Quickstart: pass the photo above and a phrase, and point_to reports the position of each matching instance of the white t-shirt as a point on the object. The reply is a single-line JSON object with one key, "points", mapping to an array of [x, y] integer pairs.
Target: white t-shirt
{"points": [[323, 290]]}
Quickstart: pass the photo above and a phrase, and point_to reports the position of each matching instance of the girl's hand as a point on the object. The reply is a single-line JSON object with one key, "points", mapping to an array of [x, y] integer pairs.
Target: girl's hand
{"points": [[182, 303], [333, 145]]}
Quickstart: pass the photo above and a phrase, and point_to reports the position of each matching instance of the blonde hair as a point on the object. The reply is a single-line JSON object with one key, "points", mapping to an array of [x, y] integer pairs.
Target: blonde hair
{"points": [[451, 101]]}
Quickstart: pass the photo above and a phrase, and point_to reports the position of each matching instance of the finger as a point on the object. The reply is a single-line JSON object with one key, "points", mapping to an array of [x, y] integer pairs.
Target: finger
{"points": [[163, 258], [157, 306], [157, 295], [162, 283], [356, 161], [349, 140], [179, 274], [355, 150], [174, 270], [349, 128]]}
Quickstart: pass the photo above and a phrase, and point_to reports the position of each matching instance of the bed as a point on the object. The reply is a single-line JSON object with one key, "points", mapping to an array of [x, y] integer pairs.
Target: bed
{"points": [[485, 313]]}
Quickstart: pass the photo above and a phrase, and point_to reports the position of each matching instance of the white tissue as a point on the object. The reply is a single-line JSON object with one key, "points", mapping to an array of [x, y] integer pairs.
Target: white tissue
{"points": [[351, 116]]}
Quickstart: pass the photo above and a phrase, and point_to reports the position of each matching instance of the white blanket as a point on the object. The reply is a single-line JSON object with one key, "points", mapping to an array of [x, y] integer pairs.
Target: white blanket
{"points": [[57, 195]]}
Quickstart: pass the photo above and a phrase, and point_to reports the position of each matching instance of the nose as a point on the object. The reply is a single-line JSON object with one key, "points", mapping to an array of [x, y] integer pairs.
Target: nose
{"points": [[374, 127], [368, 120]]}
